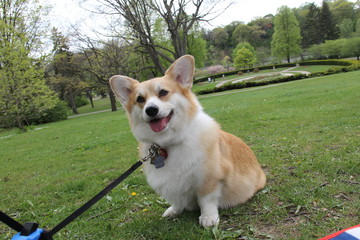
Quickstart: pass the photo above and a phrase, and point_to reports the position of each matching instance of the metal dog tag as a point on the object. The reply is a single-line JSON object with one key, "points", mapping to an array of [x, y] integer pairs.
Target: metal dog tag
{"points": [[159, 161]]}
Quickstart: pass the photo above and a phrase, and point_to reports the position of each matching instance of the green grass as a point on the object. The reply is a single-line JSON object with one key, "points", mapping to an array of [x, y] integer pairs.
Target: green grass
{"points": [[305, 134], [314, 68], [99, 105]]}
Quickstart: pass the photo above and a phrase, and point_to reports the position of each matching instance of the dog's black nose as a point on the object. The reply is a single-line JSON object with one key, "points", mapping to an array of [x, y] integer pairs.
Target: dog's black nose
{"points": [[152, 111]]}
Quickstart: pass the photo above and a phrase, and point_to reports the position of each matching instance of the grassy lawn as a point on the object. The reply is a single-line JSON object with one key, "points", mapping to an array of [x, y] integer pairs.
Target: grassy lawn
{"points": [[99, 105], [305, 133], [313, 68]]}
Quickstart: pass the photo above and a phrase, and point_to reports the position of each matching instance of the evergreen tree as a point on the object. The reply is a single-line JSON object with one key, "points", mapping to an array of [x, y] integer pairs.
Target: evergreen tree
{"points": [[327, 25], [286, 37], [311, 27]]}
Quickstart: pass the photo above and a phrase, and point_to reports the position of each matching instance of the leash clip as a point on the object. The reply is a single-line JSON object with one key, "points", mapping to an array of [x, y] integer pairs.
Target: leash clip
{"points": [[154, 151]]}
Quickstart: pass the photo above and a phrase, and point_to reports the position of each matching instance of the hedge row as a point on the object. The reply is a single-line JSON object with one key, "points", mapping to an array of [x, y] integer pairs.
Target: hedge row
{"points": [[344, 66], [328, 62], [218, 75], [315, 62]]}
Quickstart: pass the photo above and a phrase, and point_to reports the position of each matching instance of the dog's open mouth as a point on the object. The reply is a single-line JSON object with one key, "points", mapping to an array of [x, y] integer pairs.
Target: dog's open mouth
{"points": [[159, 124]]}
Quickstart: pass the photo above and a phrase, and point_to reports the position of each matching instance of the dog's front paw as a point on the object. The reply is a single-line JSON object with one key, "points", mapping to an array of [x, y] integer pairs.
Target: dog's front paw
{"points": [[209, 221], [171, 212]]}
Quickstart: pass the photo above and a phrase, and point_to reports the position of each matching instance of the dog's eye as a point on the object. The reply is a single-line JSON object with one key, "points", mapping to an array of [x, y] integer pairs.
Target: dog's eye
{"points": [[140, 99], [163, 93]]}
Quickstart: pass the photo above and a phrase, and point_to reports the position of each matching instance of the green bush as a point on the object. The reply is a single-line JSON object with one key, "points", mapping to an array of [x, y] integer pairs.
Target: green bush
{"points": [[81, 101], [327, 62], [59, 112]]}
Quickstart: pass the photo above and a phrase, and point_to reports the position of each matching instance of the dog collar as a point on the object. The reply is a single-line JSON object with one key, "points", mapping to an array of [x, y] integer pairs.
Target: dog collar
{"points": [[159, 159]]}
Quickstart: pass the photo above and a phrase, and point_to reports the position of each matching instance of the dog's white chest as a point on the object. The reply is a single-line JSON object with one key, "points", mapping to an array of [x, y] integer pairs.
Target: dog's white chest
{"points": [[179, 178]]}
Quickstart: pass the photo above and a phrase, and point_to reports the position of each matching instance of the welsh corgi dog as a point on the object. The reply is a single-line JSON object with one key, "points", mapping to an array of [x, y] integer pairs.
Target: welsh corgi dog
{"points": [[203, 167]]}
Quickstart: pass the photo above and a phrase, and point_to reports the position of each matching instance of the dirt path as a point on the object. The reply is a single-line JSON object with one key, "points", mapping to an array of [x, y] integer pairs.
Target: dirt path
{"points": [[85, 114]]}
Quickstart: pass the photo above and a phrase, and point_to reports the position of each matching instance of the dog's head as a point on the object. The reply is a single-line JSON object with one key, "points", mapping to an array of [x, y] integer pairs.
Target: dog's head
{"points": [[160, 107]]}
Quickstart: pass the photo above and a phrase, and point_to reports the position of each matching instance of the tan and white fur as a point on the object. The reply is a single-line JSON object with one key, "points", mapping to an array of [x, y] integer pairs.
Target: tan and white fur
{"points": [[206, 168]]}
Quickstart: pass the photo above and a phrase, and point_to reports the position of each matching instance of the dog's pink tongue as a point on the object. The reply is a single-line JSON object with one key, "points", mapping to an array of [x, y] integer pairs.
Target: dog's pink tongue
{"points": [[159, 124]]}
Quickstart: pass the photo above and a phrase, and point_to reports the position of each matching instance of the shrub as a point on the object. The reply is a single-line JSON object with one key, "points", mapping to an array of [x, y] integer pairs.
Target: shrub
{"points": [[328, 62], [59, 112], [81, 101]]}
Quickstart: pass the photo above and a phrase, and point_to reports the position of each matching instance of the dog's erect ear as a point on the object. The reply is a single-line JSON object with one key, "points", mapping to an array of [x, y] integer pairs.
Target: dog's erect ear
{"points": [[122, 87], [182, 70]]}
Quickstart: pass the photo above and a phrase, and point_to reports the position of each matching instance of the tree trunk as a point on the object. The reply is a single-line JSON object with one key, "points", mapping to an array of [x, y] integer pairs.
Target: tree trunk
{"points": [[72, 103], [89, 95], [91, 101], [112, 100], [19, 122]]}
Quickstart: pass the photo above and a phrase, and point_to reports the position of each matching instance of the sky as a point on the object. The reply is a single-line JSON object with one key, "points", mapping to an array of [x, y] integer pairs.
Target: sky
{"points": [[67, 12]]}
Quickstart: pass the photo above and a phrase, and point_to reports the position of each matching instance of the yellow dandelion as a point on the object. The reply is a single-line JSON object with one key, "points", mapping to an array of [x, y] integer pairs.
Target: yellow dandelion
{"points": [[145, 210], [133, 194]]}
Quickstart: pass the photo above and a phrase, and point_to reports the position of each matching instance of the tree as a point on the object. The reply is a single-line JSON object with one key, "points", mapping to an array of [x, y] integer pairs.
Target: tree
{"points": [[264, 29], [244, 58], [241, 45], [332, 48], [315, 51], [327, 25], [342, 9], [219, 37], [64, 71], [351, 47], [346, 28], [311, 27], [242, 33], [230, 28], [226, 62], [104, 59], [140, 16], [357, 28], [286, 37], [23, 92], [197, 48]]}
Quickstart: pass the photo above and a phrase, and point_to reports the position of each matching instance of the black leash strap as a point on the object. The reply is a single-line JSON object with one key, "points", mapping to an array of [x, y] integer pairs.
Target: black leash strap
{"points": [[47, 235], [29, 228], [11, 222]]}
